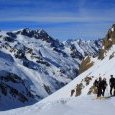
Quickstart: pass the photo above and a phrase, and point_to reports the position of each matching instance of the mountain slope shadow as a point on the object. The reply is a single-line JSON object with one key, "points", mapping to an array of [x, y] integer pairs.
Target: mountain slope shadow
{"points": [[15, 92]]}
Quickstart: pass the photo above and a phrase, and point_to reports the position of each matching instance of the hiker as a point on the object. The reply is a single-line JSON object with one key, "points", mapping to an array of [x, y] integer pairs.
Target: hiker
{"points": [[96, 83], [112, 85], [99, 87], [72, 92], [104, 85]]}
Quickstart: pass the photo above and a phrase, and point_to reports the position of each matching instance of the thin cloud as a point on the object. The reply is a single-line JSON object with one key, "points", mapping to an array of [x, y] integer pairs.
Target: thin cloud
{"points": [[58, 19]]}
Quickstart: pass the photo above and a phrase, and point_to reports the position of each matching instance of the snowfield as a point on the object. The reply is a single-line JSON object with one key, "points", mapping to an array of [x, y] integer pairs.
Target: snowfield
{"points": [[83, 105]]}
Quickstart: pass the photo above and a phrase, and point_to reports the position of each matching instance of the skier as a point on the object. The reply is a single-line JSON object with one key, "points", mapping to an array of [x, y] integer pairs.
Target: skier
{"points": [[104, 85], [99, 87], [112, 85]]}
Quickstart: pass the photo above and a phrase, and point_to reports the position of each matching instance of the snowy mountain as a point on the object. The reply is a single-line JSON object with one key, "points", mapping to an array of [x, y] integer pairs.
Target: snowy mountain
{"points": [[33, 65], [84, 101], [101, 67], [81, 48]]}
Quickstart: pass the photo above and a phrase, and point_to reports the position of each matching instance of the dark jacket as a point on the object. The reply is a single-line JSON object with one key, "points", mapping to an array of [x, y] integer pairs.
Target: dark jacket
{"points": [[104, 83], [95, 83], [112, 81], [100, 84]]}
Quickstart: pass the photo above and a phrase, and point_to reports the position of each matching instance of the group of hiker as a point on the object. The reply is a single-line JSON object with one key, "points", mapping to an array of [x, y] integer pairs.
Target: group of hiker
{"points": [[101, 85]]}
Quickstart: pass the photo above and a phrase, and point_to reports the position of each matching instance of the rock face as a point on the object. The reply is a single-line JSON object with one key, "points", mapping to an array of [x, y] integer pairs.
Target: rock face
{"points": [[107, 42], [111, 34], [33, 65], [85, 64]]}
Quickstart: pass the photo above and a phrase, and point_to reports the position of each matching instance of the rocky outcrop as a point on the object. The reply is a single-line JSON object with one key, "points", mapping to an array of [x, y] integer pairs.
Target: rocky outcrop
{"points": [[85, 64]]}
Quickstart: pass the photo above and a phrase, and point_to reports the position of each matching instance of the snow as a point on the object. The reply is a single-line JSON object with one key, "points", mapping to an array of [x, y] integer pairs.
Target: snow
{"points": [[110, 39], [71, 106], [112, 29], [77, 106], [84, 47]]}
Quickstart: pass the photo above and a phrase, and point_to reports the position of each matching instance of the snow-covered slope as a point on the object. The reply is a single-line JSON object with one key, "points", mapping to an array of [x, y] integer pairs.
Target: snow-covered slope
{"points": [[33, 65]]}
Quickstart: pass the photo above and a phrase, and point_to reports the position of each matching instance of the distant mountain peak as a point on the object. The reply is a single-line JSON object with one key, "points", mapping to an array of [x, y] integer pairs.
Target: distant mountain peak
{"points": [[28, 31], [41, 31]]}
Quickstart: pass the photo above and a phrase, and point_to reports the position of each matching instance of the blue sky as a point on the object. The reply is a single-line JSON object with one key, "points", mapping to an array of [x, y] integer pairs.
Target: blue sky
{"points": [[62, 19]]}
